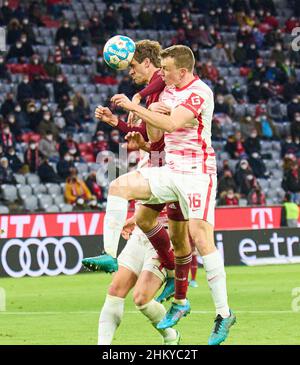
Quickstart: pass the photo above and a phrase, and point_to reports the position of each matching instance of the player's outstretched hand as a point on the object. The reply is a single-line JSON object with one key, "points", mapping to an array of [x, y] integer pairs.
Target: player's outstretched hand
{"points": [[135, 141], [122, 101], [105, 115], [160, 107]]}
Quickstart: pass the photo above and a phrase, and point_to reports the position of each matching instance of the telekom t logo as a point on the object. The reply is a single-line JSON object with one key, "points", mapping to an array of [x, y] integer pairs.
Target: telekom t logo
{"points": [[264, 220]]}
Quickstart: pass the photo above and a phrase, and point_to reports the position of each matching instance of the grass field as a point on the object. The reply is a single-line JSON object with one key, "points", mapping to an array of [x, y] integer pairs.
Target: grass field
{"points": [[65, 309]]}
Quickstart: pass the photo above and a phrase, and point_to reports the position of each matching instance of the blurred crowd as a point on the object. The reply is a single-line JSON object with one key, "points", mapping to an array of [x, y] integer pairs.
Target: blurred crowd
{"points": [[267, 80]]}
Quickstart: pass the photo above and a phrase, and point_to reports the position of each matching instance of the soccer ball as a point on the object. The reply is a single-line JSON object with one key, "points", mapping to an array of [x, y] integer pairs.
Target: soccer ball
{"points": [[118, 52]]}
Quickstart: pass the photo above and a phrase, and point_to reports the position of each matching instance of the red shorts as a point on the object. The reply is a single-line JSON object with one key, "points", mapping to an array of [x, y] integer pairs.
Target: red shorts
{"points": [[173, 210]]}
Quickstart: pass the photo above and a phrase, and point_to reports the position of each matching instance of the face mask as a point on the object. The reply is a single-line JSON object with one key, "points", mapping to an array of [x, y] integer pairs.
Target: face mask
{"points": [[26, 81], [19, 45], [221, 101], [36, 62], [295, 101], [288, 141], [254, 135], [25, 21], [243, 167], [74, 44], [248, 119], [68, 158], [1, 60], [50, 138], [59, 80], [257, 83], [32, 146], [23, 40], [115, 138], [58, 114], [297, 119], [252, 47], [72, 151], [100, 138], [240, 45], [230, 196], [221, 82], [32, 110], [81, 28], [11, 120], [17, 109], [255, 155], [47, 117], [71, 107], [6, 131], [272, 65], [12, 153], [45, 108], [259, 65]]}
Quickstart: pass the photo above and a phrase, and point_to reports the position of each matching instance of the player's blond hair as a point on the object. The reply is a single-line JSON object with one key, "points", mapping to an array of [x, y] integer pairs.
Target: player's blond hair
{"points": [[148, 49], [182, 55]]}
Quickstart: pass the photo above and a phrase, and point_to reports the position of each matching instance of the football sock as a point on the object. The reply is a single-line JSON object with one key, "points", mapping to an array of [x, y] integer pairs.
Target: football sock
{"points": [[110, 318], [159, 238], [155, 312], [182, 268], [114, 220], [216, 278], [194, 266]]}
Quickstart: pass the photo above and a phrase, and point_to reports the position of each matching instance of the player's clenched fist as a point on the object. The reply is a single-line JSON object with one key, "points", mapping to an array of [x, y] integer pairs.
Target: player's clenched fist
{"points": [[122, 101], [105, 115]]}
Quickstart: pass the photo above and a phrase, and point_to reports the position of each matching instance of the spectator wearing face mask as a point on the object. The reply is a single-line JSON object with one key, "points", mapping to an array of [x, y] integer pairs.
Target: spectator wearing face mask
{"points": [[61, 89], [293, 107], [273, 73], [76, 52], [288, 147], [244, 177], [76, 191], [221, 106], [256, 196], [7, 13], [72, 118], [35, 67], [258, 166], [235, 145], [21, 118], [240, 54], [32, 156], [81, 106], [99, 143], [65, 165], [274, 109], [47, 147], [221, 87], [252, 54], [51, 68], [47, 173], [7, 139], [247, 125], [226, 182], [6, 173], [13, 160], [277, 54], [24, 91], [47, 125], [71, 146], [145, 18], [228, 198], [26, 46], [258, 71], [96, 30], [83, 34], [254, 92], [64, 32], [32, 115], [252, 143], [114, 141], [291, 88]]}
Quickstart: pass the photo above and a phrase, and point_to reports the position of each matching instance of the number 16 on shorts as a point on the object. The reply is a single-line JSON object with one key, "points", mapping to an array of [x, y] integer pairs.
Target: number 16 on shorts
{"points": [[194, 201]]}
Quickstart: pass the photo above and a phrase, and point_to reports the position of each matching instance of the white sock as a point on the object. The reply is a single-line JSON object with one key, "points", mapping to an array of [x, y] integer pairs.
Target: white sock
{"points": [[216, 278], [110, 318], [155, 312], [114, 220]]}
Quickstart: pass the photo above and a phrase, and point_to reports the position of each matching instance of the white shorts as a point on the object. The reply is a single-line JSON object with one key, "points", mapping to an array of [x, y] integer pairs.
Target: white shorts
{"points": [[139, 255], [196, 193]]}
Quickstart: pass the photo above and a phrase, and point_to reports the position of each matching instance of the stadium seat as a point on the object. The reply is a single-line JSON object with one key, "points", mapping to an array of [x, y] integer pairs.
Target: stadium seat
{"points": [[20, 179], [39, 189], [9, 192], [53, 189], [58, 200], [32, 179], [66, 208], [24, 191], [45, 200], [31, 203], [52, 209], [4, 209]]}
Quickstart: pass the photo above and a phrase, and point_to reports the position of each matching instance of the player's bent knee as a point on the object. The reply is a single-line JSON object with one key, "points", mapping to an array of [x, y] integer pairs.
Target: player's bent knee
{"points": [[140, 298], [117, 291]]}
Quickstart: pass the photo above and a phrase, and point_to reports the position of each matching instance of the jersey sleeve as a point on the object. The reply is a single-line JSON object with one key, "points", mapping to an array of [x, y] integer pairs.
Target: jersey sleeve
{"points": [[124, 128], [154, 87], [195, 103]]}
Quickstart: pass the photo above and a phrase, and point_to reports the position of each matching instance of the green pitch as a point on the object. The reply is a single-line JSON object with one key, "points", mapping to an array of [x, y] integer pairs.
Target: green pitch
{"points": [[65, 309]]}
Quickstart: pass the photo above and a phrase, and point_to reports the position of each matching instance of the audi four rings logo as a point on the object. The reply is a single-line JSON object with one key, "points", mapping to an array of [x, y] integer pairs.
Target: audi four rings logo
{"points": [[42, 256]]}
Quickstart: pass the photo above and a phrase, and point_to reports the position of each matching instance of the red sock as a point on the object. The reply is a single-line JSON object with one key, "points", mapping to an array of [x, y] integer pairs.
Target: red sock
{"points": [[160, 240], [194, 267], [182, 268]]}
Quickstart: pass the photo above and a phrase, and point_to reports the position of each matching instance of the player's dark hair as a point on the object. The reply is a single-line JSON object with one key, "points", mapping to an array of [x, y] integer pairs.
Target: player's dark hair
{"points": [[148, 49], [182, 55]]}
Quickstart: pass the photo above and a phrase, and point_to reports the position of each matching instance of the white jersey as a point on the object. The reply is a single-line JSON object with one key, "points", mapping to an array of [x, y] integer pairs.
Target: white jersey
{"points": [[189, 149]]}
